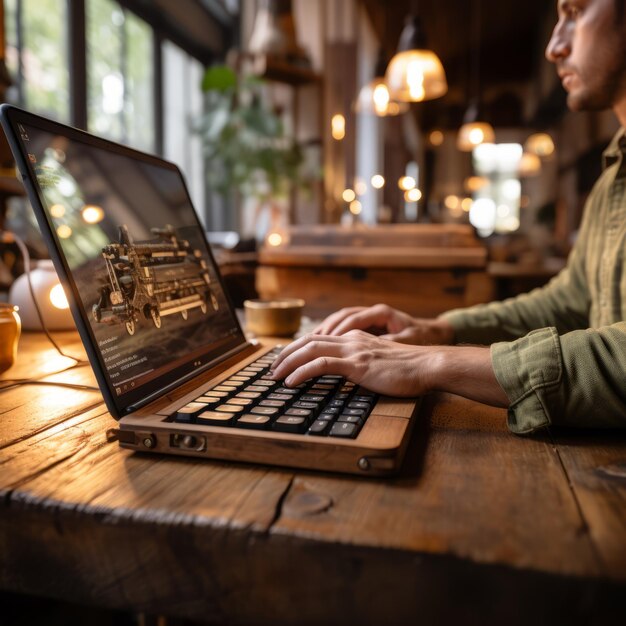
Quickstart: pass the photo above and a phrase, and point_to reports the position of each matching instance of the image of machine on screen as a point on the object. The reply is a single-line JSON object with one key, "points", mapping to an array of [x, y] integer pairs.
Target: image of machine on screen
{"points": [[154, 278]]}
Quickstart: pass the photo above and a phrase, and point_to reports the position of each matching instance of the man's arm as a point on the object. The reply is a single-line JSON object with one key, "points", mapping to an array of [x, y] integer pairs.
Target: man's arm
{"points": [[576, 379]]}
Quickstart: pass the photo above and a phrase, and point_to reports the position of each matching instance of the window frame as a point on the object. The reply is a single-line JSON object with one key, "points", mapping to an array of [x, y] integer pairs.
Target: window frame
{"points": [[161, 31]]}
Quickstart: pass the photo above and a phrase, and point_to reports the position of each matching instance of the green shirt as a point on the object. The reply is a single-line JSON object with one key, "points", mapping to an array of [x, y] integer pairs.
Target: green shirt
{"points": [[560, 354]]}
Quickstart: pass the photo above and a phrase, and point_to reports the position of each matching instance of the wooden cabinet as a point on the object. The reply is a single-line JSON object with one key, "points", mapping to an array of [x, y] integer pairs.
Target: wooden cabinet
{"points": [[423, 269]]}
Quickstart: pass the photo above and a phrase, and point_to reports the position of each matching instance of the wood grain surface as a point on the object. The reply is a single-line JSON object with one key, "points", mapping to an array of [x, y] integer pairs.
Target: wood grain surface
{"points": [[480, 527]]}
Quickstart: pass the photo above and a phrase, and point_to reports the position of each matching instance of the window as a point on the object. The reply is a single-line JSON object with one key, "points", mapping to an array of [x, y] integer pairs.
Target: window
{"points": [[496, 204], [120, 75], [125, 78], [37, 56], [182, 105]]}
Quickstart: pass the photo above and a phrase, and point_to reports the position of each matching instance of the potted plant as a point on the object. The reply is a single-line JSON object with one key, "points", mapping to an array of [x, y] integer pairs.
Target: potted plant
{"points": [[247, 150]]}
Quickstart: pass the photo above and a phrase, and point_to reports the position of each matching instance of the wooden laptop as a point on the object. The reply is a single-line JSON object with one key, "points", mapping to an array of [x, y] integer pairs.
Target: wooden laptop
{"points": [[167, 350]]}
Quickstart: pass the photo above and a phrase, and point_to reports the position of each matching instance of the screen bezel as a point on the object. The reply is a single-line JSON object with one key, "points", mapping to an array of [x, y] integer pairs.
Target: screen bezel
{"points": [[123, 404]]}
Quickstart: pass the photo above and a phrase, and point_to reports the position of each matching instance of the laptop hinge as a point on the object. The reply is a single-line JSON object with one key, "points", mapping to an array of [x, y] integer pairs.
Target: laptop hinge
{"points": [[183, 379]]}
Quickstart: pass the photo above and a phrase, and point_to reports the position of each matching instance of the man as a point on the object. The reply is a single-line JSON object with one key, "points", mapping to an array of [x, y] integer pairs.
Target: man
{"points": [[558, 354]]}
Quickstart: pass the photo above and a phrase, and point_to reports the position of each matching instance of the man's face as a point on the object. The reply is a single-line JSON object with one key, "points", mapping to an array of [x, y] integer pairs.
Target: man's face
{"points": [[588, 46]]}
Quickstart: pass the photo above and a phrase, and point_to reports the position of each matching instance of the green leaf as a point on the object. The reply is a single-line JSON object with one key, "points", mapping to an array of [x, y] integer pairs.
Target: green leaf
{"points": [[219, 78]]}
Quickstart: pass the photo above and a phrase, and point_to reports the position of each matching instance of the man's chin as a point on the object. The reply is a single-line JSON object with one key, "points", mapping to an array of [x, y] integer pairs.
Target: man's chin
{"points": [[581, 101]]}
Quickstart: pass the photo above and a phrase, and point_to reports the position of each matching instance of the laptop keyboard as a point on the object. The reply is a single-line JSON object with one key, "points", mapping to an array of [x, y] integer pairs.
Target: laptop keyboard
{"points": [[324, 406]]}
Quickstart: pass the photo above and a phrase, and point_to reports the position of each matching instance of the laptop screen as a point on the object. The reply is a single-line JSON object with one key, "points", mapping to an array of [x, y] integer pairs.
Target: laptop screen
{"points": [[135, 255]]}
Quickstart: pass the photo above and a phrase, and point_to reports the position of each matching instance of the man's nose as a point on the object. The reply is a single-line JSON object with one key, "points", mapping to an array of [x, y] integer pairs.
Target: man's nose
{"points": [[559, 45]]}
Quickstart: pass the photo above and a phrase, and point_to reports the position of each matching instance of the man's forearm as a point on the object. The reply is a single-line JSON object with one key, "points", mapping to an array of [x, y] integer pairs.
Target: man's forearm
{"points": [[467, 371]]}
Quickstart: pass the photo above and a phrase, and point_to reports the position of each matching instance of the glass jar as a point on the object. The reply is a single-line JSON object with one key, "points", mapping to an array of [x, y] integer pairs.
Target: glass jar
{"points": [[10, 327]]}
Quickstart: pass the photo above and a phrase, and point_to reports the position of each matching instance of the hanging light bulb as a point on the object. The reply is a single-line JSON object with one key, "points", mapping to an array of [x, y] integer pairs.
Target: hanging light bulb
{"points": [[374, 97], [415, 73], [475, 130], [540, 144]]}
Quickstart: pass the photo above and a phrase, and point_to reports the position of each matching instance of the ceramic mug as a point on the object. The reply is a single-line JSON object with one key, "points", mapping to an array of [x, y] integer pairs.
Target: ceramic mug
{"points": [[278, 317], [10, 327]]}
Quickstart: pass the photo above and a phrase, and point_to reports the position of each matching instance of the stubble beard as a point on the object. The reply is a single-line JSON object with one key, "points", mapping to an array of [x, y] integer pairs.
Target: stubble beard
{"points": [[610, 87]]}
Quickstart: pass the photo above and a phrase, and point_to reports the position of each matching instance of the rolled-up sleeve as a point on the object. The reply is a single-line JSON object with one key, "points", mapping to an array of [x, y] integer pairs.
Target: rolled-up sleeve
{"points": [[577, 379]]}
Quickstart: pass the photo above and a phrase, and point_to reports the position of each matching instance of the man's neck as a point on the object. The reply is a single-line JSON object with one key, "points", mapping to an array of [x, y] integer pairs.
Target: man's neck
{"points": [[620, 111]]}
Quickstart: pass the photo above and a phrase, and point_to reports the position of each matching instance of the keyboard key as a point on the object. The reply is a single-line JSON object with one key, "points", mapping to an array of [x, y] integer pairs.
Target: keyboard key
{"points": [[299, 412], [264, 410], [351, 419], [209, 399], [240, 401], [343, 429], [320, 387], [213, 418], [357, 412], [191, 409], [326, 416], [261, 388], [249, 394], [276, 403], [227, 388], [342, 396], [233, 383], [306, 405], [217, 394], [359, 398], [359, 405], [291, 392], [243, 379], [319, 427], [253, 421], [337, 403], [279, 396], [289, 424], [229, 408], [308, 398]]}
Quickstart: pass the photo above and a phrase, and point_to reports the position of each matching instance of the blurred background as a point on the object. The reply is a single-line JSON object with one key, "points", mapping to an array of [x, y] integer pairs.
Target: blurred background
{"points": [[299, 126]]}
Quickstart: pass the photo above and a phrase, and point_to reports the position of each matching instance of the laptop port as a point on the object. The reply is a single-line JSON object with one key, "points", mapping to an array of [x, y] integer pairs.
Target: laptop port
{"points": [[188, 442]]}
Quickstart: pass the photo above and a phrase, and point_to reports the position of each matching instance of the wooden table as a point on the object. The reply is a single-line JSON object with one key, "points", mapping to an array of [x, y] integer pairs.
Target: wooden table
{"points": [[481, 527]]}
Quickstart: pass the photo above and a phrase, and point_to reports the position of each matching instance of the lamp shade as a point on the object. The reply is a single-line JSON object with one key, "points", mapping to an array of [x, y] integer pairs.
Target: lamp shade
{"points": [[50, 298], [540, 144], [473, 134], [474, 130], [415, 73]]}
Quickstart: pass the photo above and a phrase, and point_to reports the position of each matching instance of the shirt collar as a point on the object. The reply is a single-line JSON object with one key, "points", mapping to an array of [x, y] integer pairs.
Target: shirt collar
{"points": [[616, 149]]}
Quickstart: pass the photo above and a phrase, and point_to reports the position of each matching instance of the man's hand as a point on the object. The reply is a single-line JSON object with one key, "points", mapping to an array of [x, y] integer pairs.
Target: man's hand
{"points": [[390, 368], [377, 364], [388, 322]]}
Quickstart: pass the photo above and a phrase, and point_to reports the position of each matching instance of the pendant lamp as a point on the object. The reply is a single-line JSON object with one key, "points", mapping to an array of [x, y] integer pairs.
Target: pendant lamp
{"points": [[374, 97], [475, 130], [540, 144], [415, 73]]}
